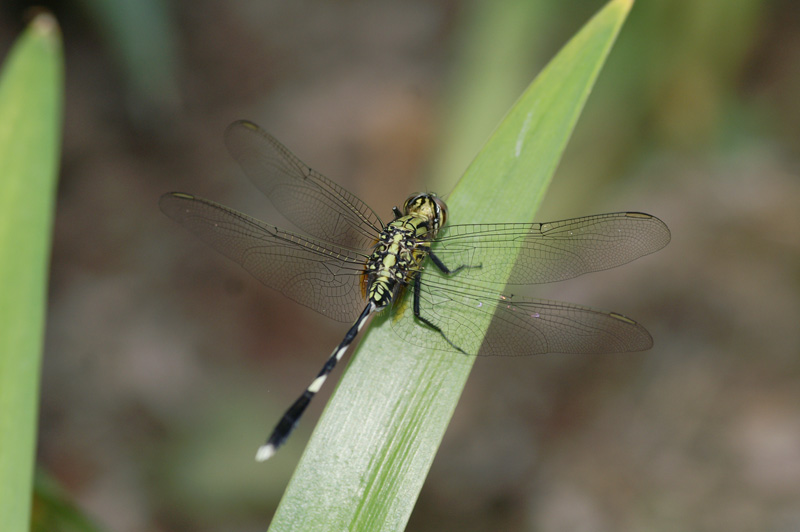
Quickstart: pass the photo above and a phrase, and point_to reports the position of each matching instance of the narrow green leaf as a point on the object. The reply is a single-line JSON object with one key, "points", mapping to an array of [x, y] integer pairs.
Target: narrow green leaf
{"points": [[374, 445], [30, 123]]}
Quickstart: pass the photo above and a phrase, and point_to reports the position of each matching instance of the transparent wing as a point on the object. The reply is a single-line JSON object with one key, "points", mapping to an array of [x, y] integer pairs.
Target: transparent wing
{"points": [[519, 326], [308, 199], [551, 251], [321, 276]]}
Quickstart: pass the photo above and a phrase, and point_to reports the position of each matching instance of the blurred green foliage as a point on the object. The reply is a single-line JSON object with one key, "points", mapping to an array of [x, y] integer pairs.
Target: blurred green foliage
{"points": [[54, 512], [142, 39]]}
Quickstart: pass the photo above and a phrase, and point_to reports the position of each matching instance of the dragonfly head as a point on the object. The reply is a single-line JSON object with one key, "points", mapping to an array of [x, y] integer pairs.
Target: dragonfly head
{"points": [[428, 206]]}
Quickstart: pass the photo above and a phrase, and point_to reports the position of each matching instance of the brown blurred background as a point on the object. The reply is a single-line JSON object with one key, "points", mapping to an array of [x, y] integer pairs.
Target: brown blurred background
{"points": [[166, 365]]}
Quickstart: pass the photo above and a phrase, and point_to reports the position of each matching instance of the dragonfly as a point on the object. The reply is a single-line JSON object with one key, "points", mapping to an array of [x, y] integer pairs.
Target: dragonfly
{"points": [[347, 264]]}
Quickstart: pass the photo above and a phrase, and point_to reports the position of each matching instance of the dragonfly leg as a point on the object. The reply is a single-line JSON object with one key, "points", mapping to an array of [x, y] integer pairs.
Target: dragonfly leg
{"points": [[444, 269], [418, 315]]}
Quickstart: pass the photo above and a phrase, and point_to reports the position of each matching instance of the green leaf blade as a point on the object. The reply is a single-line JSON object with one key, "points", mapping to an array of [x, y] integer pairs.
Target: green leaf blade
{"points": [[30, 122], [373, 447]]}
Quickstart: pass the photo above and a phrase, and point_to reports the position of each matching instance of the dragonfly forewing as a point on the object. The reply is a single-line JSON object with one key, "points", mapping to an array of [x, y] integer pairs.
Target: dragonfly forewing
{"points": [[311, 201], [321, 276], [548, 252]]}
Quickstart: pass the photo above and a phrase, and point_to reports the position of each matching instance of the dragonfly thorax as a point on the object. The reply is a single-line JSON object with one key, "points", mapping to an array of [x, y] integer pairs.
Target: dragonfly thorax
{"points": [[402, 247]]}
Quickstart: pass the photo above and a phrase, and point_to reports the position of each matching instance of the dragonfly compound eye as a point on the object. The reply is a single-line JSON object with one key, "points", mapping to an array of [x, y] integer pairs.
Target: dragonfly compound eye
{"points": [[411, 201], [441, 210]]}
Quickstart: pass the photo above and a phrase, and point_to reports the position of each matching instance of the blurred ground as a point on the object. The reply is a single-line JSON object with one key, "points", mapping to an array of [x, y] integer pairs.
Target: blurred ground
{"points": [[166, 365]]}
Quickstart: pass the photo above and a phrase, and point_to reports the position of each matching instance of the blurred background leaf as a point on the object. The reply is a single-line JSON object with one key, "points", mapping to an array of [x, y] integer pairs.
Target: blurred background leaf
{"points": [[30, 127], [140, 38], [53, 511]]}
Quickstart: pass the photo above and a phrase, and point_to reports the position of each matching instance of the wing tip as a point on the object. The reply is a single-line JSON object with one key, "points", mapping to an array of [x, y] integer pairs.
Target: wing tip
{"points": [[667, 234]]}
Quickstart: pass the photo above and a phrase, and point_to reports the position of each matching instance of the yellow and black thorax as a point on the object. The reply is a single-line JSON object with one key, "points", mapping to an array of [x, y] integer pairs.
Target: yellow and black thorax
{"points": [[401, 248]]}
